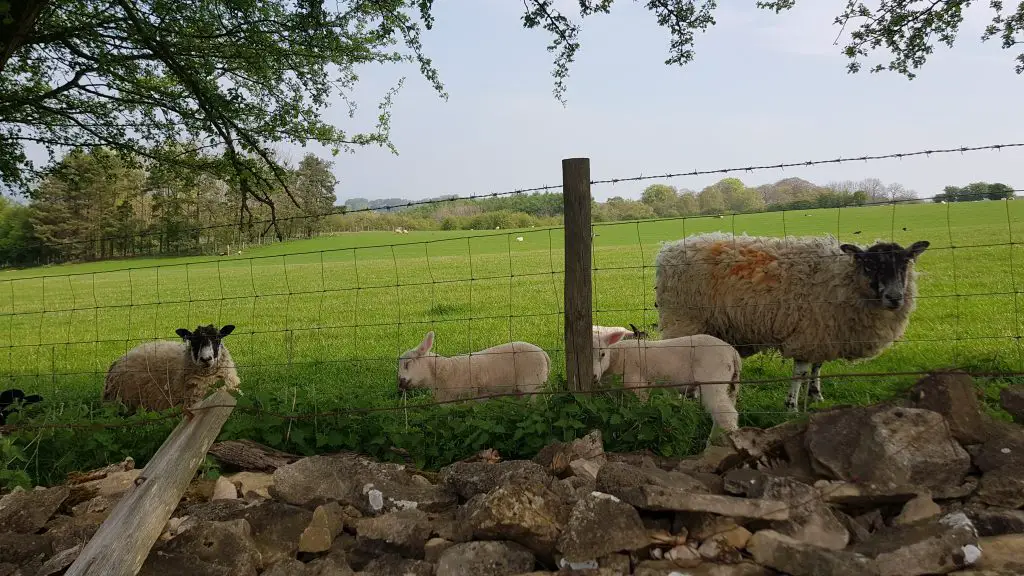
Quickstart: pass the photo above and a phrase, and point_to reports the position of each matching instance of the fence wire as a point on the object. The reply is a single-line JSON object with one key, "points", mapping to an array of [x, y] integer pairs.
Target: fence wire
{"points": [[329, 326]]}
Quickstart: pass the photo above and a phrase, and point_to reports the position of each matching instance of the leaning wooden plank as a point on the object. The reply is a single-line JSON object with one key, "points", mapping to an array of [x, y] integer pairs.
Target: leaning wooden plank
{"points": [[122, 543]]}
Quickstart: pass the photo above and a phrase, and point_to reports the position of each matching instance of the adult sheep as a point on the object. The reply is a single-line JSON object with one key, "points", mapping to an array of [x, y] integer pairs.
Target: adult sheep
{"points": [[811, 298], [164, 373]]}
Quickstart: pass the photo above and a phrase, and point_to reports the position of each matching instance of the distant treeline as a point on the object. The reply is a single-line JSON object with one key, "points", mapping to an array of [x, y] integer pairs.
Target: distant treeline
{"points": [[96, 205]]}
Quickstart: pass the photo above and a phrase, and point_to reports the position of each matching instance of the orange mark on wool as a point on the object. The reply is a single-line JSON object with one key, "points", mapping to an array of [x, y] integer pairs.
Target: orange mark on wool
{"points": [[755, 265]]}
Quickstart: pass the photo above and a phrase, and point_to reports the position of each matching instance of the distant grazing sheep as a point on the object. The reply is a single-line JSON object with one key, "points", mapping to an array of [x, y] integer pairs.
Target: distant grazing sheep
{"points": [[811, 298], [9, 400], [687, 361], [519, 238], [515, 367], [161, 374]]}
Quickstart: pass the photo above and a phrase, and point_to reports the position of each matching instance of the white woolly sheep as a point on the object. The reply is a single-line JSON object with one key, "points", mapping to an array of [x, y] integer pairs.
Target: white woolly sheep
{"points": [[810, 298], [686, 361], [161, 374], [515, 367]]}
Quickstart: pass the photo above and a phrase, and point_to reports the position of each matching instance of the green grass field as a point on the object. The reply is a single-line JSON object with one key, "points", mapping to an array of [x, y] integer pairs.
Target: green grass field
{"points": [[320, 323]]}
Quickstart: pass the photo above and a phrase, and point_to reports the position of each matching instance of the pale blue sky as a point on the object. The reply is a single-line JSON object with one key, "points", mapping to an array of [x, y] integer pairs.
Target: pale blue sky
{"points": [[764, 88]]}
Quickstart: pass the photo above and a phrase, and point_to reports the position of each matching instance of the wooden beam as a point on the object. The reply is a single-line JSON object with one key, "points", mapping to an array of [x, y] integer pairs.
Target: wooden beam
{"points": [[579, 316], [123, 541]]}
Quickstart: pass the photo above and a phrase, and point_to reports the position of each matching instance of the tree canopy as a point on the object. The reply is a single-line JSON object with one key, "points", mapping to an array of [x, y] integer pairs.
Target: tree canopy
{"points": [[170, 82], [213, 85]]}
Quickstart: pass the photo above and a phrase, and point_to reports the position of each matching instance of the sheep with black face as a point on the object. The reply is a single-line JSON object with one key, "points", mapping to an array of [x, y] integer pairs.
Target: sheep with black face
{"points": [[161, 374], [811, 298]]}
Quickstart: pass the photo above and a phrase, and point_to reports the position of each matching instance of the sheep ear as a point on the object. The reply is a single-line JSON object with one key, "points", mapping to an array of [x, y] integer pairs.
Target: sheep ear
{"points": [[850, 249], [427, 344], [917, 248], [227, 329], [613, 337], [183, 332]]}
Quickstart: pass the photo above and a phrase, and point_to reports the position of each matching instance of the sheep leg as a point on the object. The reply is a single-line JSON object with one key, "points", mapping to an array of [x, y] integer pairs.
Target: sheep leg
{"points": [[719, 405], [801, 372], [814, 388]]}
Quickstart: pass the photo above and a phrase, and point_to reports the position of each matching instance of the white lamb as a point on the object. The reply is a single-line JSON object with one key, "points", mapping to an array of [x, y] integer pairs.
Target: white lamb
{"points": [[811, 298], [687, 362], [515, 367], [161, 374]]}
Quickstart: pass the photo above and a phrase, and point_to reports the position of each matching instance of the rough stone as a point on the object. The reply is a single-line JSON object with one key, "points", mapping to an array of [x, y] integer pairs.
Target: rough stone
{"points": [[488, 557], [371, 487], [1012, 400], [452, 525], [865, 495], [886, 445], [27, 511], [617, 564], [434, 547], [778, 551], [743, 482], [1004, 447], [558, 457], [810, 519], [601, 524], [276, 528], [658, 498], [718, 550], [624, 480], [953, 395], [19, 548], [918, 510], [469, 479], [333, 564], [713, 460], [700, 526], [1004, 553], [324, 527], [223, 489], [529, 514], [395, 565], [996, 521], [667, 568], [59, 561], [1003, 487], [683, 556], [286, 567], [68, 531], [586, 468], [227, 547], [404, 532], [933, 548], [253, 484]]}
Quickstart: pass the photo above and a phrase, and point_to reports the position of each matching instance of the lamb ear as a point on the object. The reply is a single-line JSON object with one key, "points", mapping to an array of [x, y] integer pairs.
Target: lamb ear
{"points": [[227, 329], [427, 344], [917, 248], [850, 249], [184, 333], [613, 337]]}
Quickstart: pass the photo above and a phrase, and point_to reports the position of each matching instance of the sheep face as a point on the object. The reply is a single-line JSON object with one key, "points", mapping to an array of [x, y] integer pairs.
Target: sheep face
{"points": [[885, 265], [204, 343], [602, 356], [414, 365]]}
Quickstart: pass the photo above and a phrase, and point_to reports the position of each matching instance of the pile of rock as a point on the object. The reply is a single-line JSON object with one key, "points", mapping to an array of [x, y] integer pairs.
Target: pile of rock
{"points": [[924, 486]]}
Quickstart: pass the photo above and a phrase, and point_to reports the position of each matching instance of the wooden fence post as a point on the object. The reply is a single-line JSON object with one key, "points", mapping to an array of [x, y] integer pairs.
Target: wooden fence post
{"points": [[579, 315], [123, 541]]}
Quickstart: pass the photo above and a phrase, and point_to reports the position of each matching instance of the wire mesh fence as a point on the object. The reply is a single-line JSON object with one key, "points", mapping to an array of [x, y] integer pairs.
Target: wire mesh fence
{"points": [[319, 333]]}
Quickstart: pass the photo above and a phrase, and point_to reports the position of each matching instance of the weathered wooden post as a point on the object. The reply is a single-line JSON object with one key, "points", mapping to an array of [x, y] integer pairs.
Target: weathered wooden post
{"points": [[579, 315], [123, 541]]}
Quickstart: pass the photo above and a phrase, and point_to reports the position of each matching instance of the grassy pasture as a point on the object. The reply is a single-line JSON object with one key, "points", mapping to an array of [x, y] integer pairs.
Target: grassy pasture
{"points": [[320, 322]]}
